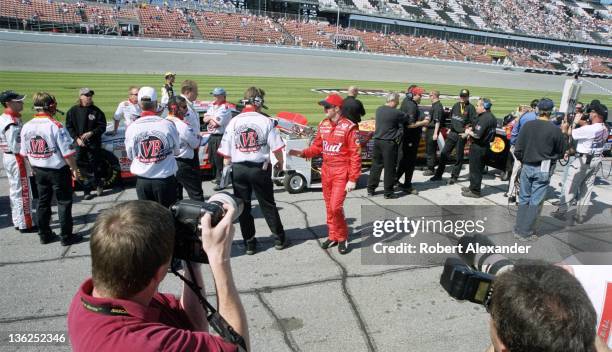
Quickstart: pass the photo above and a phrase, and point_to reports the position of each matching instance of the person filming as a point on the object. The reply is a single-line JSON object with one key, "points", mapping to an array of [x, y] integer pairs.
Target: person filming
{"points": [[119, 307]]}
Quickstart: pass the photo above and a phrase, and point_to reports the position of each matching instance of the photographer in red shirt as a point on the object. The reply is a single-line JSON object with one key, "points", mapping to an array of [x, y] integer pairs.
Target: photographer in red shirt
{"points": [[337, 140]]}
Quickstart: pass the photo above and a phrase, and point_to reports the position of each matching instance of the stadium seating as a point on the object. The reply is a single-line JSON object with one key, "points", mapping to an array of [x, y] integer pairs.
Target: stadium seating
{"points": [[164, 23], [237, 27]]}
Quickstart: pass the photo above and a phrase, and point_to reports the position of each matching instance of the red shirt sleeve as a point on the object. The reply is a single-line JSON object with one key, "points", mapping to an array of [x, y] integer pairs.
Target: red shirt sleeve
{"points": [[316, 147], [354, 154]]}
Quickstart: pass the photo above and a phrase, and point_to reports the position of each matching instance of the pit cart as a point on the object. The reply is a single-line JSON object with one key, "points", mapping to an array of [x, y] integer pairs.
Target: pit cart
{"points": [[298, 173]]}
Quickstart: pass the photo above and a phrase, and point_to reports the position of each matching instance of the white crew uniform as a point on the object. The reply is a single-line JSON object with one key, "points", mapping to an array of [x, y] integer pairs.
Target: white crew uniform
{"points": [[152, 143], [20, 192], [188, 173], [46, 142], [590, 140], [192, 117], [128, 112], [248, 139], [189, 139], [221, 114]]}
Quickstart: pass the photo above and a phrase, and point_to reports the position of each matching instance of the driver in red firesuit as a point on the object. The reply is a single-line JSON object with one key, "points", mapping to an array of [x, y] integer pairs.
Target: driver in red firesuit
{"points": [[338, 141]]}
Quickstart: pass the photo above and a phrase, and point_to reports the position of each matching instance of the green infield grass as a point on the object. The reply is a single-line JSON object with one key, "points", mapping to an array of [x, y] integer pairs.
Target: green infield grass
{"points": [[282, 94]]}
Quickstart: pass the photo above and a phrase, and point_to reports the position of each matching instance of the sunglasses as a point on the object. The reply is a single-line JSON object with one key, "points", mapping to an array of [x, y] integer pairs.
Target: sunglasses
{"points": [[88, 95]]}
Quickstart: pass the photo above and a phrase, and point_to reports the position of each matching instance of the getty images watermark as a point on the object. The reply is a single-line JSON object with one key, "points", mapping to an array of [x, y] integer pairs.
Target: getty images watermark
{"points": [[427, 235]]}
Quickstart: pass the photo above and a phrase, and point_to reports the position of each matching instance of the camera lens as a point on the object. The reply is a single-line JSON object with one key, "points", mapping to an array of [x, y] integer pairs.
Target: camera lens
{"points": [[233, 202]]}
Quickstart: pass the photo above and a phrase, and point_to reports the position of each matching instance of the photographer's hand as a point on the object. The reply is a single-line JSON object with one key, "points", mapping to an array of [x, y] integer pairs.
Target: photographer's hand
{"points": [[217, 243]]}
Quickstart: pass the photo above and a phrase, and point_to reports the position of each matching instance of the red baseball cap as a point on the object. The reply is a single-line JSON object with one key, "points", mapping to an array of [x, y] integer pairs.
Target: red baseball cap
{"points": [[417, 91], [332, 100]]}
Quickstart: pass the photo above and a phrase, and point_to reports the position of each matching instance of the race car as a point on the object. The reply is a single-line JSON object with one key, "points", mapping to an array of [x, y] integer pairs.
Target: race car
{"points": [[115, 163]]}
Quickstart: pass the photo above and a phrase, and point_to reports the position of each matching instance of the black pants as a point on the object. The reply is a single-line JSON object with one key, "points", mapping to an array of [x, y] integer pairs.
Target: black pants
{"points": [[477, 163], [431, 146], [60, 182], [384, 156], [453, 140], [188, 176], [214, 158], [248, 178], [88, 160], [160, 190], [407, 162]]}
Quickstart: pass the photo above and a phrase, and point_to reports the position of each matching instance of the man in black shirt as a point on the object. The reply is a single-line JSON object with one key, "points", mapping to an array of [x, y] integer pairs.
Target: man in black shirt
{"points": [[482, 135], [352, 107], [411, 138], [86, 123], [462, 114], [539, 145], [389, 129], [431, 141]]}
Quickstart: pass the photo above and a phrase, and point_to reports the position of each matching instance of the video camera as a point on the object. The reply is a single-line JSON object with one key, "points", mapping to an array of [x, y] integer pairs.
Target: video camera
{"points": [[187, 215], [471, 276]]}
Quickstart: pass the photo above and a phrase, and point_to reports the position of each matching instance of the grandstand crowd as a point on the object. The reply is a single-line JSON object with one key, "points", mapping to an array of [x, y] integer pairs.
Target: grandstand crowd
{"points": [[545, 19]]}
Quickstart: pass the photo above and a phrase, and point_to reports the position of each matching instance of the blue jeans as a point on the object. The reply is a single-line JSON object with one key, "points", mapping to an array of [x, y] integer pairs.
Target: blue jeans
{"points": [[534, 185]]}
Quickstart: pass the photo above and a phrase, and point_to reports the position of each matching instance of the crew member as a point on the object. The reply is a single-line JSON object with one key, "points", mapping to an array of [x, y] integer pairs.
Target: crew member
{"points": [[151, 143], [337, 140], [248, 139], [353, 108], [167, 89], [50, 151], [539, 145], [188, 172], [432, 132], [590, 140], [217, 117], [462, 114], [482, 135], [128, 110], [15, 164], [411, 138], [389, 130], [189, 91], [516, 166], [86, 123]]}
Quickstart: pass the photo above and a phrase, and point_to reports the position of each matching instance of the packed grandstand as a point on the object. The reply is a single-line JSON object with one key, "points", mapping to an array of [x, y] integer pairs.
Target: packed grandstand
{"points": [[314, 26]]}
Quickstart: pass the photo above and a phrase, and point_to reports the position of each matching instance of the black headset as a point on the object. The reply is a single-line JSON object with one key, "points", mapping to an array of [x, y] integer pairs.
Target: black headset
{"points": [[50, 106]]}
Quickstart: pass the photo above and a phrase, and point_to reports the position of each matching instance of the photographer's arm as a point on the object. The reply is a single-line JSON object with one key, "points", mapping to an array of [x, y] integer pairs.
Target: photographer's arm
{"points": [[190, 302], [217, 243]]}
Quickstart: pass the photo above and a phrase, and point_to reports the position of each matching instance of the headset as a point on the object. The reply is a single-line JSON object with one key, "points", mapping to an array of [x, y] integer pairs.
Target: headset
{"points": [[49, 106], [409, 93], [487, 105], [256, 101]]}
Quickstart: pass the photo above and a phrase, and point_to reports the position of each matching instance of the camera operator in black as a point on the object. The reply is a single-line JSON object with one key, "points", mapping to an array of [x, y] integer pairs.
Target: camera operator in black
{"points": [[432, 133], [411, 138], [389, 129], [86, 123], [246, 145], [462, 114], [482, 135]]}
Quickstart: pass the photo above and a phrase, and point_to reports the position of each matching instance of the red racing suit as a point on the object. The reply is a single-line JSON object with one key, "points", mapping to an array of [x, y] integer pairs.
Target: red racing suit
{"points": [[339, 144]]}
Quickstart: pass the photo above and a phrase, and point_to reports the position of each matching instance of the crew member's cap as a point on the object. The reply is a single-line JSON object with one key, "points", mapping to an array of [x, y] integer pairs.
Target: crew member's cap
{"points": [[545, 104], [147, 93], [332, 100], [599, 108], [218, 91], [169, 73], [464, 93], [86, 91], [10, 95], [417, 90]]}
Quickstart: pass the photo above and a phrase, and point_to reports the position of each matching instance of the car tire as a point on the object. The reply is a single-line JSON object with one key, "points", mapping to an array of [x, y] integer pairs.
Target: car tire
{"points": [[294, 183], [110, 169]]}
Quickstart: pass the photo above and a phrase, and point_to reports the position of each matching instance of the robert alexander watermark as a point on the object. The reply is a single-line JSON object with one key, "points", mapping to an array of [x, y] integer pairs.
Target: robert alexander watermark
{"points": [[427, 235]]}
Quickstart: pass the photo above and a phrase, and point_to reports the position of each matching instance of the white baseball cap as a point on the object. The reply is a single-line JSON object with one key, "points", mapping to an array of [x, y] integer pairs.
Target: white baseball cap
{"points": [[147, 92]]}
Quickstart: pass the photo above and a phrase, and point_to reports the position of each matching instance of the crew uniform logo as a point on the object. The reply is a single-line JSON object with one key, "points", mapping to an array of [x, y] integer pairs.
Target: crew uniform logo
{"points": [[249, 138], [152, 147], [39, 149]]}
